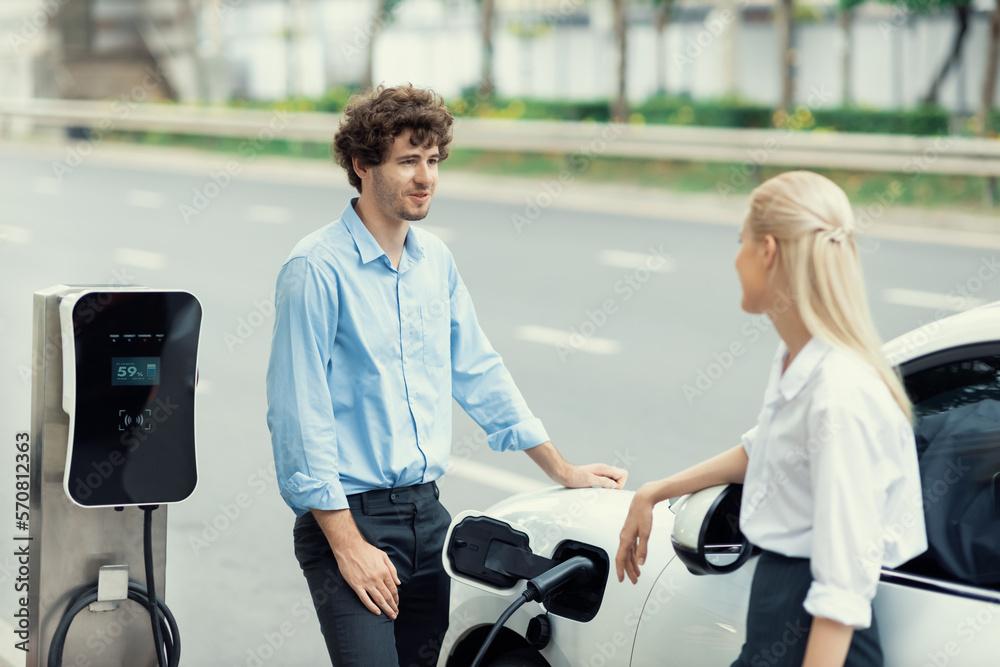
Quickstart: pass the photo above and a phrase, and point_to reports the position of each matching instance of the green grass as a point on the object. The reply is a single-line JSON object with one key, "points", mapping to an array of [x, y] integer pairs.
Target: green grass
{"points": [[922, 190]]}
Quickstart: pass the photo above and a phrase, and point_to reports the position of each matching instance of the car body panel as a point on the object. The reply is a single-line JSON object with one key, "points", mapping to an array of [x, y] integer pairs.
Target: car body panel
{"points": [[673, 617], [980, 325], [700, 620], [549, 517], [921, 627]]}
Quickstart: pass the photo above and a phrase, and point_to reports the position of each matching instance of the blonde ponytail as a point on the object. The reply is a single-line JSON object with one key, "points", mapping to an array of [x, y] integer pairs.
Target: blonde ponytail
{"points": [[811, 219]]}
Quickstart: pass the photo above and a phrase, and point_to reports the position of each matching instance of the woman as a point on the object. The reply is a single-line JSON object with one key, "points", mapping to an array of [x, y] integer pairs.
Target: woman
{"points": [[831, 485]]}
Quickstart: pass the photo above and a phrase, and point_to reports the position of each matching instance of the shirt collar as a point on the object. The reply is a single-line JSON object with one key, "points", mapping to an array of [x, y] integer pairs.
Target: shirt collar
{"points": [[368, 247], [801, 368], [412, 245], [363, 239]]}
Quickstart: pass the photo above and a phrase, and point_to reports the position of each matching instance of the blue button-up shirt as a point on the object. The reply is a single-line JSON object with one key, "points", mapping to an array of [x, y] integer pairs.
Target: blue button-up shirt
{"points": [[365, 360]]}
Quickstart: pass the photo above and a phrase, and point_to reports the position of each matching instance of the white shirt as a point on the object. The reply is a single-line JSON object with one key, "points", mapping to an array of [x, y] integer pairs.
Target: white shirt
{"points": [[833, 477]]}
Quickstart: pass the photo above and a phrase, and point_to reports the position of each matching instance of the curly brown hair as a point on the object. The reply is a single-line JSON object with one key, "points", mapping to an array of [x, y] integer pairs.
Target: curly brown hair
{"points": [[372, 122]]}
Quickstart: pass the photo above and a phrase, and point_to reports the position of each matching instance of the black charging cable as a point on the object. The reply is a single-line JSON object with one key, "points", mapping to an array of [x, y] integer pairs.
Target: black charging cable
{"points": [[165, 632], [539, 588], [151, 600], [136, 593]]}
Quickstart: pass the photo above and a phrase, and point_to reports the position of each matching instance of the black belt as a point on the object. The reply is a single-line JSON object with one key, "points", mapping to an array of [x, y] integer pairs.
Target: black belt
{"points": [[395, 496]]}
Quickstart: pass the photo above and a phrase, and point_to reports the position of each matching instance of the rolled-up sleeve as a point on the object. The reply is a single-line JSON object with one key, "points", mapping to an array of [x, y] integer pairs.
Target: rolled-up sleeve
{"points": [[299, 406], [481, 383], [748, 439], [846, 556]]}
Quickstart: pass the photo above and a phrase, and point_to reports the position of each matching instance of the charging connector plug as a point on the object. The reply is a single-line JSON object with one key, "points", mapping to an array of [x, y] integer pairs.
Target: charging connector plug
{"points": [[538, 589], [547, 582]]}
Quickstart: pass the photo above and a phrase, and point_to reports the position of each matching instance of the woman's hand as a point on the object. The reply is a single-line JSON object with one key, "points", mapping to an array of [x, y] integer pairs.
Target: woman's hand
{"points": [[635, 536]]}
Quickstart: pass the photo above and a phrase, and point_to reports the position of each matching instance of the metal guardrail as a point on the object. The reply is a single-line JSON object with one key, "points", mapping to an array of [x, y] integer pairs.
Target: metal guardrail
{"points": [[806, 149]]}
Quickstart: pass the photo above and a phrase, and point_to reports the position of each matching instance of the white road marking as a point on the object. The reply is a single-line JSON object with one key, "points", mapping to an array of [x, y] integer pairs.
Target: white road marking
{"points": [[446, 234], [480, 473], [635, 260], [576, 341], [144, 199], [930, 300], [14, 234], [44, 185], [144, 259], [273, 215]]}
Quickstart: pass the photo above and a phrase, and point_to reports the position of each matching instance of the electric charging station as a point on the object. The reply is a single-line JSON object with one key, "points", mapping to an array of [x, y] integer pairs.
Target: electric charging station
{"points": [[114, 374]]}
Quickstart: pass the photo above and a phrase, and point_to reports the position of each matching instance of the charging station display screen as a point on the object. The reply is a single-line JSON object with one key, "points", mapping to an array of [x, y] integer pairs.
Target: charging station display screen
{"points": [[129, 371], [135, 359]]}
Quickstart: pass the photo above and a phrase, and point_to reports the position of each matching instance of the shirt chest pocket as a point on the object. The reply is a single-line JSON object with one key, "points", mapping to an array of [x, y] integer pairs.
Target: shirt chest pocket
{"points": [[435, 323]]}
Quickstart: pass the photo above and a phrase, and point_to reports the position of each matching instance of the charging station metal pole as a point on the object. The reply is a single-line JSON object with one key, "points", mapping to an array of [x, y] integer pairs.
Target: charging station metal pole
{"points": [[68, 543]]}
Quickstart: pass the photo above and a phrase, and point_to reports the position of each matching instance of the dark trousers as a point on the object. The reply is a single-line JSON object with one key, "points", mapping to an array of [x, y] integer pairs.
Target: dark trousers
{"points": [[409, 524], [777, 624]]}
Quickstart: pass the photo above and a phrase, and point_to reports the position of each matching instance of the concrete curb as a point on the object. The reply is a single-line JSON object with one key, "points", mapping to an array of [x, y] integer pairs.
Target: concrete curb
{"points": [[532, 196]]}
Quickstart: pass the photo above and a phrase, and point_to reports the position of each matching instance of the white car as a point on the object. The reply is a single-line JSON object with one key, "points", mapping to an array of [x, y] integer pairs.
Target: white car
{"points": [[942, 608]]}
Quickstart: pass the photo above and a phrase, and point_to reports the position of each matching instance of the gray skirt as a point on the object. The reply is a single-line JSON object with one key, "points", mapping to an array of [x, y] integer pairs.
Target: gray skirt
{"points": [[778, 625]]}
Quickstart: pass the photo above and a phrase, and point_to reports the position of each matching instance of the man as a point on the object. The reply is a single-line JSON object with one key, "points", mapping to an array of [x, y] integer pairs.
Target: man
{"points": [[374, 334]]}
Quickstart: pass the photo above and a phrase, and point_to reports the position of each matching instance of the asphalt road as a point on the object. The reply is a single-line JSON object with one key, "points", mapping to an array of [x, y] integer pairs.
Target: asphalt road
{"points": [[603, 321]]}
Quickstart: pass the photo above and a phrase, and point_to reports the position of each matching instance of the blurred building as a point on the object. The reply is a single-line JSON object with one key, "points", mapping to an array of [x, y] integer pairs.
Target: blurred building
{"points": [[267, 49]]}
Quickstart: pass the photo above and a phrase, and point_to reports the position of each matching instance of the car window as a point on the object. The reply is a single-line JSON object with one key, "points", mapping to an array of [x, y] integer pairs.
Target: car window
{"points": [[957, 429]]}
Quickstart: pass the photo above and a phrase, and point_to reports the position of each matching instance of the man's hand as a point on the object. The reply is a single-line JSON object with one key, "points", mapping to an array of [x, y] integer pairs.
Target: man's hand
{"points": [[367, 569], [370, 573], [593, 474], [575, 477]]}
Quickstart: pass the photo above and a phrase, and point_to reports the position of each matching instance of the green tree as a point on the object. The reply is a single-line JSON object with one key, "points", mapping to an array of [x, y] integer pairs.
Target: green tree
{"points": [[385, 13], [487, 16], [990, 77], [785, 24], [846, 23], [662, 11], [619, 107], [963, 12]]}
